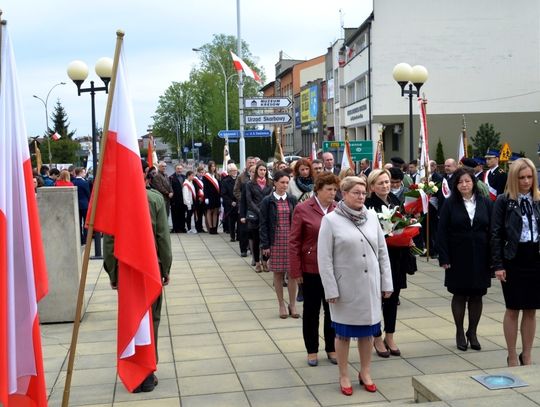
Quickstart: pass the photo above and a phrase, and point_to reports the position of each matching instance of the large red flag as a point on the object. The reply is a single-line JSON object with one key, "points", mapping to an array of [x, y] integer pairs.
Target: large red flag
{"points": [[122, 211], [23, 274], [240, 65]]}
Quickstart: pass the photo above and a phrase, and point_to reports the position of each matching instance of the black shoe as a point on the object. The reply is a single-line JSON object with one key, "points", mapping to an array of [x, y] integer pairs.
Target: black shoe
{"points": [[461, 342], [520, 357], [473, 341], [233, 239], [182, 231], [147, 385], [243, 254]]}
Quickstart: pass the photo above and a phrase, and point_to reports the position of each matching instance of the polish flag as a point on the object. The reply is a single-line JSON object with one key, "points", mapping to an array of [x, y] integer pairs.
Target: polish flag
{"points": [[346, 160], [56, 136], [23, 274], [313, 151], [461, 148], [240, 65], [122, 211]]}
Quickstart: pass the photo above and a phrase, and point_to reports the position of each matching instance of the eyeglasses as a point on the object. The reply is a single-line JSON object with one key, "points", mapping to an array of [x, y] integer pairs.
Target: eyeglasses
{"points": [[357, 194]]}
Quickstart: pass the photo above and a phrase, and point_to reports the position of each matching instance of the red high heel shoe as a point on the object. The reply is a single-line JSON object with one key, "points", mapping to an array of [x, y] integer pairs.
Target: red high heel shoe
{"points": [[347, 391], [372, 388]]}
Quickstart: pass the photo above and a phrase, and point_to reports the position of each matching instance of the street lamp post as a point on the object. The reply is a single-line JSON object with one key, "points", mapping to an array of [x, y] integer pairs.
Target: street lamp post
{"points": [[45, 103], [415, 76], [78, 72]]}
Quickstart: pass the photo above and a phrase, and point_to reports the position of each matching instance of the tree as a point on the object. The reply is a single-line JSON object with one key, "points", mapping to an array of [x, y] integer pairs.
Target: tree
{"points": [[195, 110], [60, 122], [439, 155], [486, 137]]}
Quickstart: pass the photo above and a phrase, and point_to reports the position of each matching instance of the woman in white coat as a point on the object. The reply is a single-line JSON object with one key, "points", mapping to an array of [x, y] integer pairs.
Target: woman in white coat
{"points": [[355, 269]]}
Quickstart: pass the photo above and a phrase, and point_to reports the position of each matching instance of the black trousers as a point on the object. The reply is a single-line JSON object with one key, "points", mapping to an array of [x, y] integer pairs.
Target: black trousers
{"points": [[232, 219], [243, 237], [82, 221], [178, 214], [198, 210], [254, 236], [389, 310], [313, 297], [189, 214]]}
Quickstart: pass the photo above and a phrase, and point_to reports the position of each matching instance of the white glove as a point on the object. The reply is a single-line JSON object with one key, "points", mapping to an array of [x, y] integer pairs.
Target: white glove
{"points": [[206, 201]]}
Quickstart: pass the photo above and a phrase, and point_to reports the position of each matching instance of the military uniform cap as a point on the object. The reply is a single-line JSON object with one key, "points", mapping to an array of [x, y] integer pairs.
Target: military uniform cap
{"points": [[492, 153]]}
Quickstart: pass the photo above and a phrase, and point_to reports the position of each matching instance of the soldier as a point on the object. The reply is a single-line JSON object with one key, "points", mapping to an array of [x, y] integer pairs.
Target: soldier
{"points": [[494, 177], [160, 227]]}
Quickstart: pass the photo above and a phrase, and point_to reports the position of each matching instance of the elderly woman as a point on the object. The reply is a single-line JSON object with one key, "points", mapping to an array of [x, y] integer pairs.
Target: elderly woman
{"points": [[301, 185], [275, 225], [305, 269], [463, 242], [515, 226], [400, 262], [259, 187], [355, 273]]}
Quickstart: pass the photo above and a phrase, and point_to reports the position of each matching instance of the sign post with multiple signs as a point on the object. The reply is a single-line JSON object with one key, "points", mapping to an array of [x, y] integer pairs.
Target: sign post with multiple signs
{"points": [[359, 148]]}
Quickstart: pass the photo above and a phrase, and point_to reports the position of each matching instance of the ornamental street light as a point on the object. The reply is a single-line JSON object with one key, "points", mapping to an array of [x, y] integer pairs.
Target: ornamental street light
{"points": [[45, 104], [78, 72], [415, 76]]}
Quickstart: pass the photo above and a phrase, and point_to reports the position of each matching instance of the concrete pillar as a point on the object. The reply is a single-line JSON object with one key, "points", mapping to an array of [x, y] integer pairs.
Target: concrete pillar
{"points": [[59, 216]]}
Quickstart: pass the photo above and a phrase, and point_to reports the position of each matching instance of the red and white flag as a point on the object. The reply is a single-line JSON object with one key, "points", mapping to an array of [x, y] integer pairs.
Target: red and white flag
{"points": [[461, 148], [346, 159], [313, 151], [423, 141], [56, 136], [240, 65], [378, 160], [122, 211], [23, 274]]}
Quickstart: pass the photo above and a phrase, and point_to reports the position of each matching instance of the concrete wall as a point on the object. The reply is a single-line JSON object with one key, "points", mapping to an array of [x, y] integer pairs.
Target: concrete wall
{"points": [[59, 216]]}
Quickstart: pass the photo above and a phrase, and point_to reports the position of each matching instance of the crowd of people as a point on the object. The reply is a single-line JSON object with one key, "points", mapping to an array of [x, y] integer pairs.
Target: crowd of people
{"points": [[318, 231]]}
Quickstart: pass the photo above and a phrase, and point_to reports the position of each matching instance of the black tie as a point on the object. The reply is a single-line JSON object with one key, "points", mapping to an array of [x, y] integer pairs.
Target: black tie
{"points": [[526, 209]]}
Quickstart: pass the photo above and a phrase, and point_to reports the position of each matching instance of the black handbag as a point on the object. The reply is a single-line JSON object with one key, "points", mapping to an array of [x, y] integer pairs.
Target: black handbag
{"points": [[252, 216]]}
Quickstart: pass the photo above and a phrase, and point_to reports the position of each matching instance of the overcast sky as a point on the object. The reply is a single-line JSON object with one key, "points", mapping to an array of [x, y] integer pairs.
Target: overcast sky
{"points": [[159, 36]]}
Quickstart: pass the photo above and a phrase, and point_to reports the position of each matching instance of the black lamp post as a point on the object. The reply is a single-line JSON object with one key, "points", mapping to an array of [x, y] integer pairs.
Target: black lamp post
{"points": [[415, 76], [78, 72]]}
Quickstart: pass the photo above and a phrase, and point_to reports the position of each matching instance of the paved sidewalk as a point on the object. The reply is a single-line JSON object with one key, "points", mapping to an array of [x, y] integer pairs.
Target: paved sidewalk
{"points": [[223, 344]]}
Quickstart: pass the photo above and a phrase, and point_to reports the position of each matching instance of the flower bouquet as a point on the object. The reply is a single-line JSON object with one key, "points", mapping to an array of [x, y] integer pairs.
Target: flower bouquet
{"points": [[398, 227], [417, 198]]}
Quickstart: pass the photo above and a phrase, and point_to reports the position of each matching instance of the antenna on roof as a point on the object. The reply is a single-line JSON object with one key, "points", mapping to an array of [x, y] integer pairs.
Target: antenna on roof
{"points": [[341, 23]]}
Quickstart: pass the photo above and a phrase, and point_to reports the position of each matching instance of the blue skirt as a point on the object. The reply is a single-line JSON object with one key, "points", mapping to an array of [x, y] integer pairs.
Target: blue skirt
{"points": [[356, 331]]}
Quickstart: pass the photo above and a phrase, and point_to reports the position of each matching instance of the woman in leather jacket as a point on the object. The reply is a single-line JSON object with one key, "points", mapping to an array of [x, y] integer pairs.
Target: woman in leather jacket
{"points": [[515, 257]]}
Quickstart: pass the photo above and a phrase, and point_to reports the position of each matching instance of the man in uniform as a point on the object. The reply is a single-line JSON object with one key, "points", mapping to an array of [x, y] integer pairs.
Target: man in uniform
{"points": [[160, 227], [494, 177]]}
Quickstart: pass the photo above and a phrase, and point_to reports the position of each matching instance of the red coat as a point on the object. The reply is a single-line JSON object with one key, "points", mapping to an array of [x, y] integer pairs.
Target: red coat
{"points": [[305, 227]]}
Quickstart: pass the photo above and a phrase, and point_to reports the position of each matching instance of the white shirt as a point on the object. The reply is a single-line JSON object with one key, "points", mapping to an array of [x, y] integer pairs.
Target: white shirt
{"points": [[470, 206], [325, 210], [278, 197], [525, 229]]}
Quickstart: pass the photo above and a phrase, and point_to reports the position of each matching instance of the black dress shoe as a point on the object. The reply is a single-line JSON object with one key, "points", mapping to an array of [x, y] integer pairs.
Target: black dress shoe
{"points": [[461, 342], [473, 341], [147, 385], [385, 354], [243, 254]]}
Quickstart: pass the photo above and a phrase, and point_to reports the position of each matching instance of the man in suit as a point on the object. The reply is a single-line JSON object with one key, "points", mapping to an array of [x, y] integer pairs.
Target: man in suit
{"points": [[365, 166], [83, 194], [178, 209], [328, 162], [494, 177]]}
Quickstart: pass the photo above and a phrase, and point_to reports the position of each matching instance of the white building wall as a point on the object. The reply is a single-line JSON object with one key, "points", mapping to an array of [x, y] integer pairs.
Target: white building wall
{"points": [[483, 56], [312, 73]]}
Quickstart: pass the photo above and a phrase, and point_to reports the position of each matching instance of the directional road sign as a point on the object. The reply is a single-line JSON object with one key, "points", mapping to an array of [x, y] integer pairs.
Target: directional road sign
{"points": [[266, 103], [267, 119], [359, 148], [235, 134], [228, 133]]}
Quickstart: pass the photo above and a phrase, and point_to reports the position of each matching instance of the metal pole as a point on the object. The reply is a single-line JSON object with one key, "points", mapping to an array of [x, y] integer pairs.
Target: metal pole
{"points": [[97, 235], [411, 154], [178, 140], [242, 141]]}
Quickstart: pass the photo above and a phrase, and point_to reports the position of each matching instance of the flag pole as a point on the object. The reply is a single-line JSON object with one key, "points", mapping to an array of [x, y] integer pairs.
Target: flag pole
{"points": [[95, 194], [426, 169], [465, 141]]}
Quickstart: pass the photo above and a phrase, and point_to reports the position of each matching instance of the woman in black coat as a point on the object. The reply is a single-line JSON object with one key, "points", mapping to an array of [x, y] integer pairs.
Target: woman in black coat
{"points": [[212, 197], [257, 188], [463, 242], [515, 256]]}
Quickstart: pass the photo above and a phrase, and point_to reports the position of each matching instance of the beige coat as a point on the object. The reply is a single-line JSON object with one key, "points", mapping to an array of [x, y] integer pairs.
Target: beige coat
{"points": [[351, 271]]}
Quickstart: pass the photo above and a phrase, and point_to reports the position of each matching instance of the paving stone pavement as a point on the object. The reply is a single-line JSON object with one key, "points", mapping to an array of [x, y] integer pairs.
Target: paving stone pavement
{"points": [[222, 343]]}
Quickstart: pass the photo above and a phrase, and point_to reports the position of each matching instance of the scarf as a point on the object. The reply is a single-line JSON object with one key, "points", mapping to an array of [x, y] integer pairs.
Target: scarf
{"points": [[357, 217], [304, 184], [261, 182]]}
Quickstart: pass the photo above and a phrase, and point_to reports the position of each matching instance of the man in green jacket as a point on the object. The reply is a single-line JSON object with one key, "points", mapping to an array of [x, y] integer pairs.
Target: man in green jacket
{"points": [[160, 227]]}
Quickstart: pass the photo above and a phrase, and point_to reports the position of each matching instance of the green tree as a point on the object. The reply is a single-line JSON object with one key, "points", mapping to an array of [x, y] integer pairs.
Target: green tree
{"points": [[60, 122], [439, 155], [195, 109], [486, 137]]}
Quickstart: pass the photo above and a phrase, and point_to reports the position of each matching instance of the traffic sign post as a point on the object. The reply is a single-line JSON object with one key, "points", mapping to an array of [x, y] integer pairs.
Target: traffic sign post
{"points": [[234, 134], [229, 133], [267, 119], [359, 148], [267, 103]]}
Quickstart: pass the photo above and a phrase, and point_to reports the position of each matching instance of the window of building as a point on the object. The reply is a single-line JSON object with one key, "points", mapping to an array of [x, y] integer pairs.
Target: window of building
{"points": [[350, 94], [361, 88]]}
